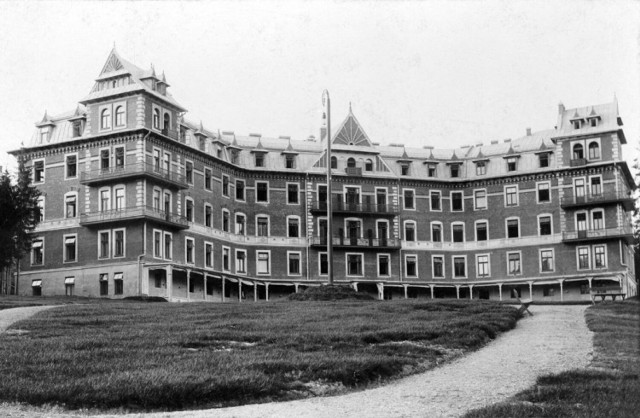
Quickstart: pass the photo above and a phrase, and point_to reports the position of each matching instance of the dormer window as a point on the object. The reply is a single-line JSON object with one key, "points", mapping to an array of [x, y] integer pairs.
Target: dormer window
{"points": [[290, 161], [481, 168], [234, 156], [431, 170], [44, 135], [368, 165], [219, 153], [77, 128], [544, 160], [593, 122], [577, 123], [455, 170], [259, 160], [405, 169], [512, 164], [202, 143]]}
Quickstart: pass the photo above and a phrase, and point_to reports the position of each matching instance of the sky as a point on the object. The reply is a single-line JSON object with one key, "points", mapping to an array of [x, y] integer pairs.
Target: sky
{"points": [[444, 74]]}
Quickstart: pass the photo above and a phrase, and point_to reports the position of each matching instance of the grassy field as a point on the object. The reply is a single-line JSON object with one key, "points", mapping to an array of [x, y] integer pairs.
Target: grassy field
{"points": [[611, 388], [179, 356]]}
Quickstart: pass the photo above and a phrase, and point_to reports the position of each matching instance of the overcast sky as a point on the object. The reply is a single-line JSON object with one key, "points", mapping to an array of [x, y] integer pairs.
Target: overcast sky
{"points": [[420, 73]]}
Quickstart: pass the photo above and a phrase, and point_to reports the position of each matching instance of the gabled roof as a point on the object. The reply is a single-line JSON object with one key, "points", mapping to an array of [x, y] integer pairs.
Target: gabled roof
{"points": [[350, 132]]}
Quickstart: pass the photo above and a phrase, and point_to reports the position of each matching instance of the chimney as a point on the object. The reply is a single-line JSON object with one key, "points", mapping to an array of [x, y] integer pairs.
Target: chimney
{"points": [[560, 108], [528, 131]]}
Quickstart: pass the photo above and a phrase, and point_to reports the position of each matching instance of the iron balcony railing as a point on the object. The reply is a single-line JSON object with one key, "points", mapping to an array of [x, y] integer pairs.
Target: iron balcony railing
{"points": [[340, 206], [577, 162], [134, 212], [362, 243], [134, 170], [591, 234], [605, 196]]}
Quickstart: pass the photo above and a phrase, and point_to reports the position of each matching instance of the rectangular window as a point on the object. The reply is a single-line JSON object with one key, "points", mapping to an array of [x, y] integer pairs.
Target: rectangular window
{"points": [[118, 288], [240, 224], [189, 172], [69, 285], [544, 225], [118, 243], [37, 251], [290, 161], [105, 159], [481, 231], [513, 228], [514, 264], [583, 258], [104, 284], [480, 199], [438, 266], [408, 199], [208, 216], [157, 244], [207, 179], [455, 170], [435, 201], [596, 186], [260, 160], [119, 198], [225, 258], [225, 185], [457, 232], [581, 221], [262, 192], [241, 262], [543, 159], [354, 264], [482, 265], [599, 256], [70, 206], [105, 200], [119, 156], [293, 227], [405, 169], [546, 261], [294, 264], [225, 221], [70, 248], [166, 161], [104, 244], [431, 170], [409, 231], [38, 171], [71, 167], [168, 245], [263, 264], [481, 168], [262, 226], [292, 194], [189, 249], [436, 232], [548, 291], [459, 267], [512, 164], [511, 195], [240, 190], [208, 254], [383, 265], [323, 262], [544, 194], [597, 219], [40, 204], [411, 265], [189, 209], [457, 204]]}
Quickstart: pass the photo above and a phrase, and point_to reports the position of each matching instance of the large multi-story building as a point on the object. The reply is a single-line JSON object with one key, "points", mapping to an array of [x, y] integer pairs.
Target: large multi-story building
{"points": [[136, 200]]}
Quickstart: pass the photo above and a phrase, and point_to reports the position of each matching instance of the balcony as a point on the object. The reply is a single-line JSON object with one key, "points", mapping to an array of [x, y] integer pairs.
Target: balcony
{"points": [[366, 208], [606, 197], [353, 171], [577, 162], [625, 232], [140, 169], [134, 213], [358, 243]]}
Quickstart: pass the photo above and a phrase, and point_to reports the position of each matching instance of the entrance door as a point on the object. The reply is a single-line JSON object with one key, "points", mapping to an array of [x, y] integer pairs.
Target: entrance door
{"points": [[353, 229], [382, 233]]}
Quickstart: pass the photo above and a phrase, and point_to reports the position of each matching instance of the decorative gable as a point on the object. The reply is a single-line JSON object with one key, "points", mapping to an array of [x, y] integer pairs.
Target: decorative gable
{"points": [[351, 133]]}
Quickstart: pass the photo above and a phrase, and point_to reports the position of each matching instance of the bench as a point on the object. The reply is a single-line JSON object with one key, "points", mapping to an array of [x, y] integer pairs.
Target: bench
{"points": [[604, 291], [524, 306]]}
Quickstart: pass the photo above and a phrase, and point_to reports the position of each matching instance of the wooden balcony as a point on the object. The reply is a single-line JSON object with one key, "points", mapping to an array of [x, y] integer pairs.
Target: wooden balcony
{"points": [[625, 232], [591, 199], [140, 169], [134, 213], [358, 243]]}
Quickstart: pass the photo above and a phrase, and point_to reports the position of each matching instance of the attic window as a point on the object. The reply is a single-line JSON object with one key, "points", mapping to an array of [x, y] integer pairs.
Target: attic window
{"points": [[77, 128], [259, 160], [405, 169], [368, 165], [455, 170], [544, 160], [290, 161], [234, 156], [334, 162], [44, 135], [431, 170], [481, 168], [512, 164], [577, 123], [593, 122]]}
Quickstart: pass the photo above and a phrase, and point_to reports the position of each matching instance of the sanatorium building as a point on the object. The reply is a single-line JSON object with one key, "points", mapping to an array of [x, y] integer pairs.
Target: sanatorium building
{"points": [[136, 200]]}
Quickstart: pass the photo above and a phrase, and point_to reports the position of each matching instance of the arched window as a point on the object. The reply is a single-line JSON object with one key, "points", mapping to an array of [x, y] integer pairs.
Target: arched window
{"points": [[105, 119], [120, 116], [351, 162], [578, 152], [156, 118], [594, 151], [368, 165], [334, 162], [167, 121]]}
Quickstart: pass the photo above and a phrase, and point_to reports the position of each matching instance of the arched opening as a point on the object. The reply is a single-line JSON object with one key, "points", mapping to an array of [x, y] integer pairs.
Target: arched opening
{"points": [[594, 151], [334, 162], [578, 152], [351, 162], [368, 165], [105, 119], [120, 116], [167, 122], [156, 118]]}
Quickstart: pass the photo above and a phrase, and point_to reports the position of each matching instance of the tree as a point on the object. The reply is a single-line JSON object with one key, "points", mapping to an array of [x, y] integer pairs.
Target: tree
{"points": [[19, 215]]}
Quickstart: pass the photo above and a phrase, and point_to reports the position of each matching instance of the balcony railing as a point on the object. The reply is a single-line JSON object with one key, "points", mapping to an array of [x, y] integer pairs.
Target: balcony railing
{"points": [[577, 162], [361, 243], [339, 206], [353, 171], [132, 213], [134, 170], [595, 234], [606, 196]]}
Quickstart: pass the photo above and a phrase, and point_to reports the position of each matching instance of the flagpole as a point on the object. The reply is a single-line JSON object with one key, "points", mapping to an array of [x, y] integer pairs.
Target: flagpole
{"points": [[326, 101]]}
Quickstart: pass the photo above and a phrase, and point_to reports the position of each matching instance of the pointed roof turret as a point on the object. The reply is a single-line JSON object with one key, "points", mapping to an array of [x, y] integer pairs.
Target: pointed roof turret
{"points": [[200, 130], [405, 158], [79, 113], [259, 148], [576, 116], [289, 150], [234, 144], [46, 121]]}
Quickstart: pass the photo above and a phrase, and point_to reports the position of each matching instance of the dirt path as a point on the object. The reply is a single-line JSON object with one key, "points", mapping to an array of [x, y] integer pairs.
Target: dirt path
{"points": [[555, 339], [9, 316]]}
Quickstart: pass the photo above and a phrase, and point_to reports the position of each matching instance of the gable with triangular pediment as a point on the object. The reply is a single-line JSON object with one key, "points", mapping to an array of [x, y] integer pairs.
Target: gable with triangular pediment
{"points": [[113, 64], [351, 133]]}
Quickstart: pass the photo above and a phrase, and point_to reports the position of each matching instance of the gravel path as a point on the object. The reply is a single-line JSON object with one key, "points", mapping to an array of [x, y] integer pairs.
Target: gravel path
{"points": [[554, 340], [11, 315]]}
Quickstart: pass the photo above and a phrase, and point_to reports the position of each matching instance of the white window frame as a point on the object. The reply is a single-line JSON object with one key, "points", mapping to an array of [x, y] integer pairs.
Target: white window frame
{"points": [[244, 190], [296, 217], [289, 254], [475, 229], [404, 201], [378, 264], [587, 219], [478, 276], [606, 257], [109, 205], [207, 173], [153, 244], [346, 265], [263, 215], [538, 184], [73, 154], [453, 266], [108, 107], [585, 185], [164, 244], [506, 205], [406, 263], [64, 248], [204, 213], [44, 169], [441, 231], [113, 115], [235, 223], [509, 273], [268, 252], [506, 227], [553, 256], [188, 199], [108, 255], [588, 267], [124, 242], [262, 202], [67, 196], [359, 220], [230, 222], [208, 244], [586, 149], [186, 249], [404, 230], [456, 192], [590, 186], [237, 264], [320, 254], [439, 193], [542, 215], [433, 264], [226, 249], [114, 200], [464, 232], [154, 109], [386, 221], [297, 193], [475, 199], [41, 239], [386, 195], [193, 172], [228, 194], [41, 203]]}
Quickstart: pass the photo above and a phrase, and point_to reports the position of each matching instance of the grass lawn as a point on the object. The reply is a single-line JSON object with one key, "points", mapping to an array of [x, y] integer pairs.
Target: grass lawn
{"points": [[611, 388], [162, 356], [12, 301]]}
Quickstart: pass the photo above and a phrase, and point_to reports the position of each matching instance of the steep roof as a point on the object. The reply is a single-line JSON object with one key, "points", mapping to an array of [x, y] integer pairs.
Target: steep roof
{"points": [[350, 132]]}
